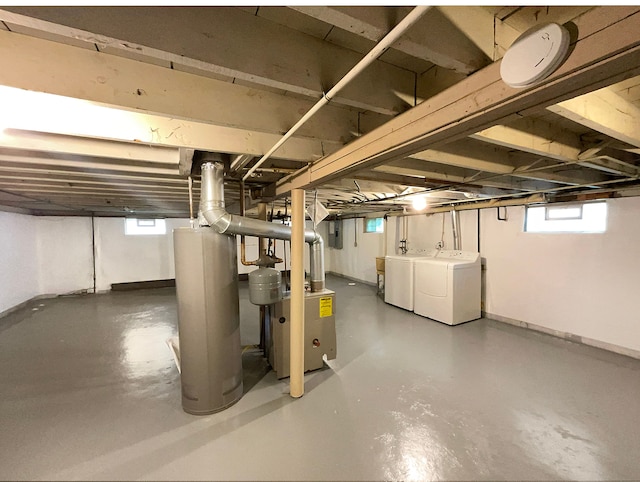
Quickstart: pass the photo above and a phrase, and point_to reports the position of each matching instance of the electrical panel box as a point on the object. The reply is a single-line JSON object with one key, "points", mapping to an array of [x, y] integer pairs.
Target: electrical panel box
{"points": [[319, 332], [335, 234]]}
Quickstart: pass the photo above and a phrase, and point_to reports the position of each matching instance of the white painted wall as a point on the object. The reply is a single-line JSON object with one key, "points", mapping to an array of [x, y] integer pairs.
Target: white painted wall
{"points": [[18, 260], [358, 262], [64, 252], [123, 259], [425, 231], [53, 255], [583, 284]]}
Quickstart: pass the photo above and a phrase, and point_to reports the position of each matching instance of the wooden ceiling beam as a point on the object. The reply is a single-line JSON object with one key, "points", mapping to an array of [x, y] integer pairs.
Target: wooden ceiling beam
{"points": [[205, 40], [475, 22], [603, 111], [446, 176], [424, 41], [607, 51], [535, 137]]}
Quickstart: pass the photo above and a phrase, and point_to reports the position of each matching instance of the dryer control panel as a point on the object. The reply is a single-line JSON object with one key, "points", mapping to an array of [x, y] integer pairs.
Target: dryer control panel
{"points": [[458, 255]]}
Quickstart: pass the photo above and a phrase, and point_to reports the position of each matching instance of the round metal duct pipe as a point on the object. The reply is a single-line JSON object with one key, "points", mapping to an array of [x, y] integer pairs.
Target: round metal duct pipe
{"points": [[213, 210]]}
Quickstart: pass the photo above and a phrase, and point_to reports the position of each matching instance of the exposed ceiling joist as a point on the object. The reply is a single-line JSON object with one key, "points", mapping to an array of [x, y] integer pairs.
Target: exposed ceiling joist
{"points": [[612, 165], [366, 186], [268, 54], [499, 161], [476, 23], [233, 118], [16, 178], [386, 177], [457, 177], [510, 22], [74, 172], [534, 136], [186, 160], [603, 111], [23, 140], [458, 53], [167, 99], [90, 163], [605, 52]]}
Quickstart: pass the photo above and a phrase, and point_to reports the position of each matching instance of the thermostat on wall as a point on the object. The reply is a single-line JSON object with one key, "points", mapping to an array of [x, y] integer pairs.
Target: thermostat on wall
{"points": [[534, 55]]}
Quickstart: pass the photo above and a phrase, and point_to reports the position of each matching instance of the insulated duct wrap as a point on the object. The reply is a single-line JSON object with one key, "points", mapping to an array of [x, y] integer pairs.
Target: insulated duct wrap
{"points": [[213, 210]]}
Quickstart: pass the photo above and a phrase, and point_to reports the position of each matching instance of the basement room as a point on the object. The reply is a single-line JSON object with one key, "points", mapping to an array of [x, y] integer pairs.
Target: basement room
{"points": [[320, 242]]}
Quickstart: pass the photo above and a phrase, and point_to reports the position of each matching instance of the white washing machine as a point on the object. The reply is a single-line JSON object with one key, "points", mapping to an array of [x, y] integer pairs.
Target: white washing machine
{"points": [[398, 278], [447, 287]]}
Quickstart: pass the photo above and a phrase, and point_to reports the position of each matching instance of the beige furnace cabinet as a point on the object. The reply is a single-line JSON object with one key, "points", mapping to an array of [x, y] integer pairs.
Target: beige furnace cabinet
{"points": [[319, 332]]}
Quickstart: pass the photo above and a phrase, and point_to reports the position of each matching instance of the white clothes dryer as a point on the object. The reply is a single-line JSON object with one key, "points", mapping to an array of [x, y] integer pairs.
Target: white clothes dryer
{"points": [[447, 287]]}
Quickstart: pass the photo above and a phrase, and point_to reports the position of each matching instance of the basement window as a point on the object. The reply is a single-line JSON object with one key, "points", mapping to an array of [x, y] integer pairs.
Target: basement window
{"points": [[136, 227], [374, 225], [567, 218]]}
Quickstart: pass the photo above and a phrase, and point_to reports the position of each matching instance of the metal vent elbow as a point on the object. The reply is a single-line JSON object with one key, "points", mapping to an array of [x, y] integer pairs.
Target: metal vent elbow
{"points": [[213, 210]]}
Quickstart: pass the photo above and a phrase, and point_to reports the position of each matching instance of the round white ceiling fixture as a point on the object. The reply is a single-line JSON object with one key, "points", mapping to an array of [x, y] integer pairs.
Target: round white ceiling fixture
{"points": [[535, 55]]}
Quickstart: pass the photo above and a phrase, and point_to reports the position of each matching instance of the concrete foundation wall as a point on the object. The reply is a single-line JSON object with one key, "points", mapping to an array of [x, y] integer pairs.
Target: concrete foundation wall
{"points": [[424, 233], [582, 284], [568, 284], [65, 254], [53, 255], [18, 260], [123, 259], [356, 262]]}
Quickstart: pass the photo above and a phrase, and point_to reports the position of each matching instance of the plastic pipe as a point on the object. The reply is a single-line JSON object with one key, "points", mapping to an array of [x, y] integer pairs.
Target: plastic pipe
{"points": [[376, 52]]}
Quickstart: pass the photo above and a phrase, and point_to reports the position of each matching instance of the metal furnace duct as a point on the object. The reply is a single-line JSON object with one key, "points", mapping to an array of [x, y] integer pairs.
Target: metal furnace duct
{"points": [[455, 225], [213, 210], [209, 320]]}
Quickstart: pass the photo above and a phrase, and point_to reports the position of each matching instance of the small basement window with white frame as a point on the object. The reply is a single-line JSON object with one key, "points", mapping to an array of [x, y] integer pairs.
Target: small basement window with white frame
{"points": [[374, 225], [567, 218], [137, 227]]}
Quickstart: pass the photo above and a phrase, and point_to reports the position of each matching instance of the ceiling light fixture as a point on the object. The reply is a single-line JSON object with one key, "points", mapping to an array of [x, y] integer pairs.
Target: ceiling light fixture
{"points": [[419, 203], [535, 55]]}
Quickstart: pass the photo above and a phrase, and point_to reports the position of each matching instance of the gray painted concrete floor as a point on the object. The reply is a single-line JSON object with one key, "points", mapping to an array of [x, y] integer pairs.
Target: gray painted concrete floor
{"points": [[90, 391]]}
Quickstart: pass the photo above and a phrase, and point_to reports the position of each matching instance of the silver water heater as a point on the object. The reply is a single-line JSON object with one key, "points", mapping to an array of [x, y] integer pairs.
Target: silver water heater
{"points": [[208, 319]]}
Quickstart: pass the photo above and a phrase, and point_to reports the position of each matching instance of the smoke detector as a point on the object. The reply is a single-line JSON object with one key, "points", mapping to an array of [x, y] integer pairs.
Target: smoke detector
{"points": [[535, 55]]}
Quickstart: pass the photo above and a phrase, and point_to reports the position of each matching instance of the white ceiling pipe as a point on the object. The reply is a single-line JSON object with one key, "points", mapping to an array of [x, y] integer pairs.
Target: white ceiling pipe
{"points": [[240, 161], [376, 52]]}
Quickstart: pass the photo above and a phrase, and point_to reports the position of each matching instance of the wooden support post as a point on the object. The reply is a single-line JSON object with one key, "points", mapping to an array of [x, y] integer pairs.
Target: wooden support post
{"points": [[296, 369]]}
